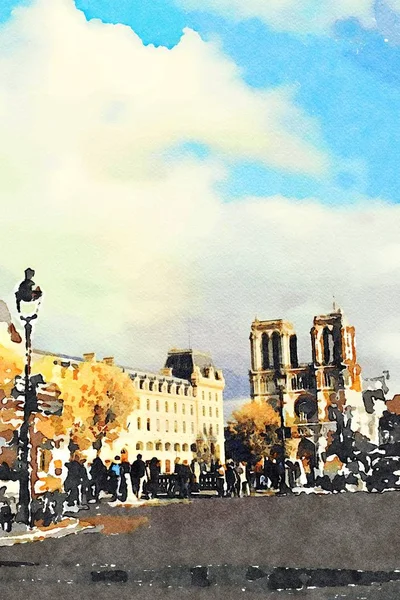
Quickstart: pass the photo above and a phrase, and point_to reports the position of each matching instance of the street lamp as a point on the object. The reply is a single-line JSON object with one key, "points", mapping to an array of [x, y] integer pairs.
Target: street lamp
{"points": [[28, 299], [280, 382]]}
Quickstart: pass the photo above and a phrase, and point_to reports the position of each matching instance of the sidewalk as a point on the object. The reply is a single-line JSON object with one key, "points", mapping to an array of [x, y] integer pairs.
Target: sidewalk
{"points": [[21, 534]]}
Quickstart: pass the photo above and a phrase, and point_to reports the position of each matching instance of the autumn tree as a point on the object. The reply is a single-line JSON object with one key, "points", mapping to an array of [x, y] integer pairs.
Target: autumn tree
{"points": [[252, 432], [11, 365], [97, 401]]}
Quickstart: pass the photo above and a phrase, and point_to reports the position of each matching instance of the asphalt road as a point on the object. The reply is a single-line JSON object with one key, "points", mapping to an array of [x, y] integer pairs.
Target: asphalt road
{"points": [[159, 556]]}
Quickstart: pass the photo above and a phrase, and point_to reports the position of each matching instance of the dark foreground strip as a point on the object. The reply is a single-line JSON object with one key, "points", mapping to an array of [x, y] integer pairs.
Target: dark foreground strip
{"points": [[262, 578], [110, 576], [17, 563], [295, 579], [200, 576]]}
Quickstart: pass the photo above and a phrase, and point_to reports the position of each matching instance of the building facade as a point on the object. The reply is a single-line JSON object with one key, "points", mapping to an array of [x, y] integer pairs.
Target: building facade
{"points": [[177, 412], [317, 394]]}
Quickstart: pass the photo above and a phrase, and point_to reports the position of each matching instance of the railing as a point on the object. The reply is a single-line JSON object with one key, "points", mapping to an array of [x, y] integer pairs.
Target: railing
{"points": [[168, 484]]}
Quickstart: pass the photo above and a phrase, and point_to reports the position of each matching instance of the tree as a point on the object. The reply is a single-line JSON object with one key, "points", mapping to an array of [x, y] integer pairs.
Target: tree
{"points": [[252, 432], [97, 401]]}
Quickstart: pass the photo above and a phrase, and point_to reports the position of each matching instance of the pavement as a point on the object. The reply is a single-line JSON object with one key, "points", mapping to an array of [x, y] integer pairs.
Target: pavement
{"points": [[220, 548], [21, 534]]}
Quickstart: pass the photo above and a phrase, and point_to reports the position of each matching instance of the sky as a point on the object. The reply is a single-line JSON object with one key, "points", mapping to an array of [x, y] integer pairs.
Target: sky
{"points": [[174, 168]]}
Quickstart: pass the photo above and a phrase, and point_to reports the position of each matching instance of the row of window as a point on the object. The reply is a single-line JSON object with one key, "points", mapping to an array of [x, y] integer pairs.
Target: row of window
{"points": [[175, 407], [206, 431], [210, 412], [203, 395], [162, 387], [166, 406], [160, 446]]}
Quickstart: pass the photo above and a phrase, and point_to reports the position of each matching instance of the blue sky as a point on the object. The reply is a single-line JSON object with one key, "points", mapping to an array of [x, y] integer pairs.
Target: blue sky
{"points": [[348, 80]]}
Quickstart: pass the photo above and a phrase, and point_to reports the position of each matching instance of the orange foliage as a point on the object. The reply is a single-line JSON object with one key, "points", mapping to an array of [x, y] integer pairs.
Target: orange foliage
{"points": [[249, 425], [97, 401], [11, 364]]}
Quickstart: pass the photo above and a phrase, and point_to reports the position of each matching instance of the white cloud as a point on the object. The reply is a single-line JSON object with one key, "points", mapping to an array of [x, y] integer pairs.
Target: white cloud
{"points": [[302, 16], [127, 243]]}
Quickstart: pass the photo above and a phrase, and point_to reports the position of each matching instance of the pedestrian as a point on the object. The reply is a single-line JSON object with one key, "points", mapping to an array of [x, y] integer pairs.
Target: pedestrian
{"points": [[239, 473], [231, 479], [220, 481], [138, 472], [185, 479], [177, 478], [244, 480], [118, 486], [73, 481], [98, 478], [154, 473], [196, 470]]}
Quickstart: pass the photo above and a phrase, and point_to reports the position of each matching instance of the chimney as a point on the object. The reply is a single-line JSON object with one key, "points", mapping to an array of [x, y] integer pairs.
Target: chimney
{"points": [[109, 360], [166, 372], [89, 357]]}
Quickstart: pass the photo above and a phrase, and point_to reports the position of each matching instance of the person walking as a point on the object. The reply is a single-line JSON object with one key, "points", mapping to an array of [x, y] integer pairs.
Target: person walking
{"points": [[118, 484], [138, 472], [220, 481], [154, 473], [73, 482], [231, 478], [98, 478], [244, 483], [177, 478], [185, 479]]}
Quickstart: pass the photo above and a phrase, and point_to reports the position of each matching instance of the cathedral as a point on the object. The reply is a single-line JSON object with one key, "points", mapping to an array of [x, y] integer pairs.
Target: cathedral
{"points": [[310, 398]]}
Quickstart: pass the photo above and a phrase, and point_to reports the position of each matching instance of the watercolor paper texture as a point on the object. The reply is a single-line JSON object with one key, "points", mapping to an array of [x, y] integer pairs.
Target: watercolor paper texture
{"points": [[199, 327]]}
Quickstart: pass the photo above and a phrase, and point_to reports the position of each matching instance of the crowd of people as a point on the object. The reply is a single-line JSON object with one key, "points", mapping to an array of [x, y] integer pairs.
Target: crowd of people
{"points": [[84, 484]]}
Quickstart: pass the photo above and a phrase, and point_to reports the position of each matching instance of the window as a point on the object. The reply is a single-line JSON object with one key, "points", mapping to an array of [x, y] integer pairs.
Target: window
{"points": [[209, 396], [149, 446], [191, 410], [158, 424], [185, 448], [141, 384], [148, 425], [210, 411], [176, 426], [211, 430], [139, 423], [177, 447], [204, 411], [139, 446], [167, 447], [138, 403], [205, 429], [217, 429], [183, 409], [184, 427], [217, 413], [192, 427], [166, 407], [202, 395], [158, 446], [166, 425], [147, 404], [175, 407], [157, 405], [216, 397]]}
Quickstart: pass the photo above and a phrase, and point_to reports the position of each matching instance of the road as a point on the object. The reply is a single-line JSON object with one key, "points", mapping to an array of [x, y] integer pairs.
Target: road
{"points": [[165, 543]]}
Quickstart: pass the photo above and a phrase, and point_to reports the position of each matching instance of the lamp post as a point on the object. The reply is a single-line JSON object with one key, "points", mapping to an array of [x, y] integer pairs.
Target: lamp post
{"points": [[280, 381], [28, 301]]}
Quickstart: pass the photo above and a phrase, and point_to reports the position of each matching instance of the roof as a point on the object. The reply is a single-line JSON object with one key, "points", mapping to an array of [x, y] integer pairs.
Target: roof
{"points": [[183, 362]]}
